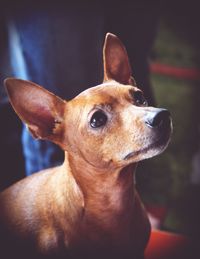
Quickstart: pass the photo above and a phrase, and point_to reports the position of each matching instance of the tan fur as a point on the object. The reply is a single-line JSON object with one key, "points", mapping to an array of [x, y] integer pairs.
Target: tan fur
{"points": [[88, 207]]}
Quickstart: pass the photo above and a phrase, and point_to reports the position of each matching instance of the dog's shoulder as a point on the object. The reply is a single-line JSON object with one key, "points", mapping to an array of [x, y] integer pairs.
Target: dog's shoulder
{"points": [[18, 202]]}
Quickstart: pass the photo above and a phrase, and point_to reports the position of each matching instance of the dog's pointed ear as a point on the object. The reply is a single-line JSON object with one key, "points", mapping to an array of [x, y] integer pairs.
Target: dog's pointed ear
{"points": [[116, 62], [41, 110]]}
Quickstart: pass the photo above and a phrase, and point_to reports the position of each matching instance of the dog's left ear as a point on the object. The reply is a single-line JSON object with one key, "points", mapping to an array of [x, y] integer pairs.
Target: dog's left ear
{"points": [[116, 62]]}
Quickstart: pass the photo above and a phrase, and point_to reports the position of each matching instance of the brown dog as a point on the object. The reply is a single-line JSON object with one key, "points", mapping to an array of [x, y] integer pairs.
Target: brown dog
{"points": [[88, 207]]}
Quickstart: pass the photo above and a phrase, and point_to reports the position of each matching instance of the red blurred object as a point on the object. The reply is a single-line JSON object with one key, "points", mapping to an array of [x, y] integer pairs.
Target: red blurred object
{"points": [[180, 72], [165, 245], [157, 211]]}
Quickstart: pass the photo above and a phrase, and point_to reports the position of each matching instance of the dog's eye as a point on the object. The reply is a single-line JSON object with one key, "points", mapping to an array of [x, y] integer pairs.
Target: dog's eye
{"points": [[139, 99], [98, 119]]}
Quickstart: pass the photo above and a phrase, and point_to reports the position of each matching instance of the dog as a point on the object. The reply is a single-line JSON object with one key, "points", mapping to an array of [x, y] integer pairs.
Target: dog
{"points": [[88, 207]]}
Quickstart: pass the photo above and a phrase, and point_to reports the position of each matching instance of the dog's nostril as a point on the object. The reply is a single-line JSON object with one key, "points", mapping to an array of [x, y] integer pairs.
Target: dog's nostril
{"points": [[161, 118]]}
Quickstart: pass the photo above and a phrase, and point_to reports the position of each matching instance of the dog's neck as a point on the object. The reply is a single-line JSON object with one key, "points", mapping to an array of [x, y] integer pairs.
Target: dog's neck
{"points": [[104, 192], [108, 199]]}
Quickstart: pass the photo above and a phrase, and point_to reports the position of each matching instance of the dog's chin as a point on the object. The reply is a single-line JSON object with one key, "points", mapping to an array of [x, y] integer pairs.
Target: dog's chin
{"points": [[153, 149]]}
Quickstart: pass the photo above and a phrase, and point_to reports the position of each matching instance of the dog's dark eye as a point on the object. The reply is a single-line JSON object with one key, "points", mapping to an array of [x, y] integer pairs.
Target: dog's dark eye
{"points": [[98, 119], [139, 99]]}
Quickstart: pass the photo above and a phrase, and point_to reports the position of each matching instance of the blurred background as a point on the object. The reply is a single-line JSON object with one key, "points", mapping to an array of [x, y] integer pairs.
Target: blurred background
{"points": [[173, 179], [170, 183]]}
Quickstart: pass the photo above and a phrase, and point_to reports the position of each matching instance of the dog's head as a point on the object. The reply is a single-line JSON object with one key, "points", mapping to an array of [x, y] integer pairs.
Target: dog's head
{"points": [[107, 124]]}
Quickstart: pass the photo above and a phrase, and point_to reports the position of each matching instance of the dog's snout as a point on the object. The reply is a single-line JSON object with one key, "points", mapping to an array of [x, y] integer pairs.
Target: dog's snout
{"points": [[158, 118]]}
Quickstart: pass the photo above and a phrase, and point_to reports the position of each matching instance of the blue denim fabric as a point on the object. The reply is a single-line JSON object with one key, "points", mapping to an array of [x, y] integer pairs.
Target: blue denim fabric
{"points": [[39, 154]]}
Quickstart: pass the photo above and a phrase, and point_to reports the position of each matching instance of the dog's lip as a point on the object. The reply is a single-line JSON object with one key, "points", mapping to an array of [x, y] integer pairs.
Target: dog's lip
{"points": [[162, 140]]}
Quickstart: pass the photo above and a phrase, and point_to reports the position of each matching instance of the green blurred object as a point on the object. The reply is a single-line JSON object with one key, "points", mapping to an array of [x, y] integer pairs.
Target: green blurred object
{"points": [[175, 49]]}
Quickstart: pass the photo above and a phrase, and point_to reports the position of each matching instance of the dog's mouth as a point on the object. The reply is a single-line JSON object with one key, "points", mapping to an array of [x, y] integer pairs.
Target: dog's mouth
{"points": [[156, 147]]}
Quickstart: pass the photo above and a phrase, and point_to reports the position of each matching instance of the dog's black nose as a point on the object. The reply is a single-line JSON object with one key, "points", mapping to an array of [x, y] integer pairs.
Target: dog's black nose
{"points": [[158, 118]]}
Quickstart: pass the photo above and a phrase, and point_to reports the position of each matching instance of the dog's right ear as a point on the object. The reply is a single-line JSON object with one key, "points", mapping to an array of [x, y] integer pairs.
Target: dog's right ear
{"points": [[41, 110]]}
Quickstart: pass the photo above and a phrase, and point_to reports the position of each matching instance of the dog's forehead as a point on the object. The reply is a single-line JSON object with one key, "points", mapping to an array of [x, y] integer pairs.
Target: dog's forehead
{"points": [[106, 92]]}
